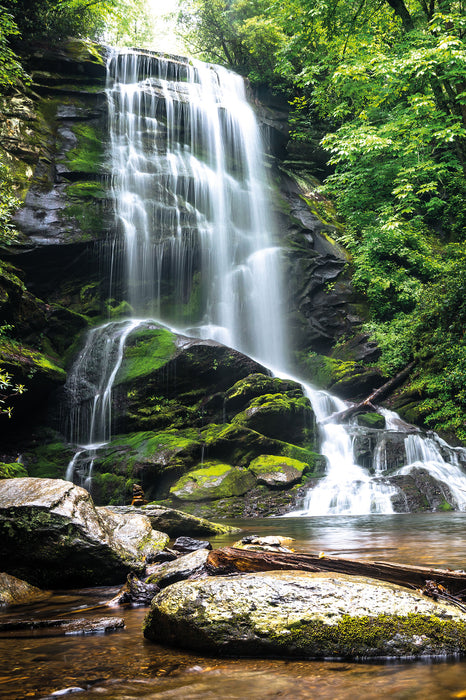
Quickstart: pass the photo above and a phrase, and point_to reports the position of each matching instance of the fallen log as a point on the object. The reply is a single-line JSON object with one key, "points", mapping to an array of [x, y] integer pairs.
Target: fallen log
{"points": [[377, 395], [230, 560]]}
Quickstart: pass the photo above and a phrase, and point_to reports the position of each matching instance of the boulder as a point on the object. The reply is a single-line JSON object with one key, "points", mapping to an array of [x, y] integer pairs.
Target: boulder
{"points": [[212, 481], [51, 534], [175, 522], [304, 615], [184, 567], [13, 591], [277, 472]]}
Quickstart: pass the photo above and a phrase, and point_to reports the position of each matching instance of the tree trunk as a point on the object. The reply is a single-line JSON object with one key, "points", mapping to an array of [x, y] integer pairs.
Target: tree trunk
{"points": [[231, 560], [376, 395]]}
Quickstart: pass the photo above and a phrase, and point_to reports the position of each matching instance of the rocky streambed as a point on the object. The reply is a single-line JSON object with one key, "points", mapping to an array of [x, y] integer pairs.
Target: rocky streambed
{"points": [[52, 535]]}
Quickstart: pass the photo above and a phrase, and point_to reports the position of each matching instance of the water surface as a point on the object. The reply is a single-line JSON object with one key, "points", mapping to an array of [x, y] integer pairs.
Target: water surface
{"points": [[124, 665]]}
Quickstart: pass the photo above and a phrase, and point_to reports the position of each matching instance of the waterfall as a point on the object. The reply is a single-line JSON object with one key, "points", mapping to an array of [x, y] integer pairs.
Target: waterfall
{"points": [[192, 201], [190, 187]]}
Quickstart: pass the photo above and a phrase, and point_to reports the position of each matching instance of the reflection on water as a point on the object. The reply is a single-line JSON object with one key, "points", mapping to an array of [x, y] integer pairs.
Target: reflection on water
{"points": [[123, 665]]}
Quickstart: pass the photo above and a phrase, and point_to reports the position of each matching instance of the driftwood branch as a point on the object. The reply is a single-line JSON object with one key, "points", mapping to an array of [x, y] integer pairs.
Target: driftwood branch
{"points": [[231, 560], [377, 395]]}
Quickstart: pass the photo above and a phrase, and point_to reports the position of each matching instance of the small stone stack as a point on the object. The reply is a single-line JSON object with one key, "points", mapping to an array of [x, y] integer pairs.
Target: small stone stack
{"points": [[138, 496]]}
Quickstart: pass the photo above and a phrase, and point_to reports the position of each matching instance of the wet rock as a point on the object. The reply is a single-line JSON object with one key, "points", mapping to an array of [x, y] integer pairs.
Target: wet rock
{"points": [[212, 481], [175, 522], [51, 534], [304, 615], [189, 544], [184, 567], [13, 591], [134, 592], [93, 625]]}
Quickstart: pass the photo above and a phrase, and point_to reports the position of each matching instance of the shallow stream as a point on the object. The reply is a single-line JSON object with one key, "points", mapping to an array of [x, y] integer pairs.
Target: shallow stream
{"points": [[123, 665]]}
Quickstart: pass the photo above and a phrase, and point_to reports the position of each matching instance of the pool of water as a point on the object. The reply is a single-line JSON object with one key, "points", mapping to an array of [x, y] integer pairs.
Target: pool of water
{"points": [[122, 664]]}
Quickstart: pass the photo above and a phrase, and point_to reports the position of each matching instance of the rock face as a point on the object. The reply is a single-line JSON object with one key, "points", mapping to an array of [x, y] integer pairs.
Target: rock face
{"points": [[52, 534], [304, 615]]}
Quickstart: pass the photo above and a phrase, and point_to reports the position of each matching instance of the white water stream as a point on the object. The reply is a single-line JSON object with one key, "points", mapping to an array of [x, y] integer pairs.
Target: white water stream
{"points": [[191, 193]]}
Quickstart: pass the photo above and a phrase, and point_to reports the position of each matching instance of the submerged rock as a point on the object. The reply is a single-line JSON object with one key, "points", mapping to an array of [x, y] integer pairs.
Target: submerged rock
{"points": [[304, 615], [51, 534], [13, 591], [82, 625]]}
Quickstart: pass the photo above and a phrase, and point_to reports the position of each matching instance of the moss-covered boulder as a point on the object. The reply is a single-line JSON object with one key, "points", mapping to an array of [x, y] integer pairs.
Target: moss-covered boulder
{"points": [[371, 420], [277, 472], [281, 417], [304, 615], [52, 535], [347, 379], [238, 397], [212, 481]]}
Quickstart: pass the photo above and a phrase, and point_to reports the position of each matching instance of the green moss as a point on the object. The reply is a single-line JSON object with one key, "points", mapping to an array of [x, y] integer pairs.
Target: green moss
{"points": [[89, 155], [128, 454], [274, 463], [366, 637], [111, 489], [48, 461], [28, 361], [445, 506], [12, 471], [212, 481], [145, 351], [86, 190], [371, 420]]}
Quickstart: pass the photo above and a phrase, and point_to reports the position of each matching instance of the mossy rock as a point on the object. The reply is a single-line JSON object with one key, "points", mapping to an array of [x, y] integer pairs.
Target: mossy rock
{"points": [[111, 489], [371, 420], [240, 445], [277, 472], [155, 460], [212, 481], [12, 471], [345, 378], [146, 350], [48, 461], [255, 385], [281, 417]]}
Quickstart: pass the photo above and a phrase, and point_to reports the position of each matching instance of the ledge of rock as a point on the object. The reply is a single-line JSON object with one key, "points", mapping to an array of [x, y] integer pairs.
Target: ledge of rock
{"points": [[304, 615], [175, 522], [51, 534]]}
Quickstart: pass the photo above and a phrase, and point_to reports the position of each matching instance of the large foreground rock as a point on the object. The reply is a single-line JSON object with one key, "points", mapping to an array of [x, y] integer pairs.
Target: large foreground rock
{"points": [[300, 614], [51, 534]]}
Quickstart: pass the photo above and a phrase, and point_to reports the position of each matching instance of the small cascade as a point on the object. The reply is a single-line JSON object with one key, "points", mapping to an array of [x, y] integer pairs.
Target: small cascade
{"points": [[347, 488], [441, 461], [89, 392]]}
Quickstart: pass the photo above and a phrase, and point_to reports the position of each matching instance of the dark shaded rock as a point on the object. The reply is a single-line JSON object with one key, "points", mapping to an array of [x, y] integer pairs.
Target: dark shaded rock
{"points": [[52, 534], [304, 615], [134, 592], [189, 544], [182, 568], [96, 625], [13, 591]]}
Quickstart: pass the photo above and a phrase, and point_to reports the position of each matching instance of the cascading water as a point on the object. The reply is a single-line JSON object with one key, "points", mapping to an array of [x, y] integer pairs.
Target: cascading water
{"points": [[189, 185], [192, 207]]}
